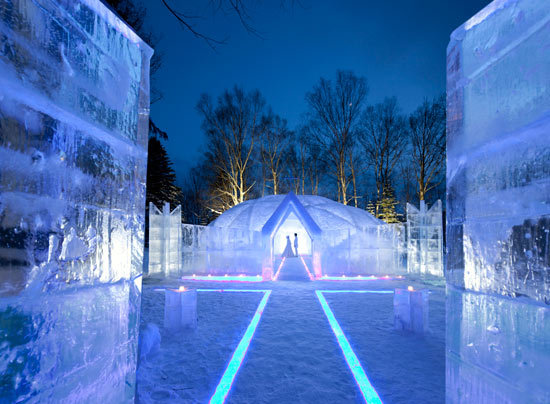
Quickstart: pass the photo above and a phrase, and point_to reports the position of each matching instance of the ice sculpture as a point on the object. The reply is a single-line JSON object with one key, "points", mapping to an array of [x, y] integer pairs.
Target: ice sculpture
{"points": [[425, 239], [334, 239], [498, 200], [165, 241], [411, 310], [74, 115], [180, 309]]}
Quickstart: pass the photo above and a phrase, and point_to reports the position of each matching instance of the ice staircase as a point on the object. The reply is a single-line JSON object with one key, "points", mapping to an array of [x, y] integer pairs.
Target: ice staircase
{"points": [[292, 270]]}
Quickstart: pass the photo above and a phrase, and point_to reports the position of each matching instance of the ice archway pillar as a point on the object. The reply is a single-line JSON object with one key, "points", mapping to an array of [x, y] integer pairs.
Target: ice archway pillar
{"points": [[498, 217]]}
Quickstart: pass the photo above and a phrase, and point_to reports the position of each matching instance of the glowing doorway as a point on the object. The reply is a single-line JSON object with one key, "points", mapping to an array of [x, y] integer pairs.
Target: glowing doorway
{"points": [[291, 226]]}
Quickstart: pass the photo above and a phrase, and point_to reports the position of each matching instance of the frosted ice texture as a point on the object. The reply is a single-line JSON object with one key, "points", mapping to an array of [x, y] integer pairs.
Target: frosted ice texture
{"points": [[165, 241], [180, 309], [425, 239], [327, 214], [411, 310], [247, 238], [74, 110], [498, 200]]}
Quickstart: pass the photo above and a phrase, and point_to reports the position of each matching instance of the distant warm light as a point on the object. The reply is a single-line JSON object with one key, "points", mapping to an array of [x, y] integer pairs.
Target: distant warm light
{"points": [[367, 390], [224, 386], [182, 289], [410, 288]]}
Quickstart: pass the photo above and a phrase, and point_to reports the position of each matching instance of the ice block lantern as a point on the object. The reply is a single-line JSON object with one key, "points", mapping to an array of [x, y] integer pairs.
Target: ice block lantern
{"points": [[498, 206], [180, 309], [410, 310], [74, 120], [267, 273]]}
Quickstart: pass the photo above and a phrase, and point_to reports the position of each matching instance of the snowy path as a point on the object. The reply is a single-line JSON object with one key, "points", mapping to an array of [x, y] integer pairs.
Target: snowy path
{"points": [[290, 360], [294, 356]]}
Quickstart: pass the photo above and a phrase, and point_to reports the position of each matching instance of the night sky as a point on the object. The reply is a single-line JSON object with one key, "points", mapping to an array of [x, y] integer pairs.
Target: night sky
{"points": [[399, 46]]}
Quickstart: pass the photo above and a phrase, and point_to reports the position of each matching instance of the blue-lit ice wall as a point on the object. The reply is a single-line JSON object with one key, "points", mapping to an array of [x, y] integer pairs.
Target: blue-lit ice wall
{"points": [[425, 239], [74, 110], [165, 241], [498, 199]]}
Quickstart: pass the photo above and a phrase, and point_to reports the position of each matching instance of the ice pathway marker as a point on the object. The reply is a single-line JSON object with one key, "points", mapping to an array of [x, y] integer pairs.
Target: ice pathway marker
{"points": [[367, 390], [224, 385]]}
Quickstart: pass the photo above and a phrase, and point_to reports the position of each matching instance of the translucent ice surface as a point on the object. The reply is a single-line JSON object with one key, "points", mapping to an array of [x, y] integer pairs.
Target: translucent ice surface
{"points": [[425, 239], [331, 238], [498, 200], [165, 240], [74, 112]]}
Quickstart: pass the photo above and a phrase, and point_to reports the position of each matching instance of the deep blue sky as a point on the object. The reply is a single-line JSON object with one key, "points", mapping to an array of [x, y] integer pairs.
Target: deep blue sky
{"points": [[399, 46]]}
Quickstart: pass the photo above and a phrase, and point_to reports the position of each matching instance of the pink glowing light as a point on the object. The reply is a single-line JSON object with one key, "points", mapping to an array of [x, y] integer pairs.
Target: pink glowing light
{"points": [[345, 278], [223, 278], [307, 269], [279, 269]]}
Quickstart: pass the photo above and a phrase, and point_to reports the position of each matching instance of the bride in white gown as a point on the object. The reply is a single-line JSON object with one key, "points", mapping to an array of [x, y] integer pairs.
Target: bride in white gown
{"points": [[288, 249]]}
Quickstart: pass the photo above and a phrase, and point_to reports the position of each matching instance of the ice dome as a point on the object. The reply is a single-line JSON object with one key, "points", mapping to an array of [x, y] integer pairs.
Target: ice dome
{"points": [[326, 213]]}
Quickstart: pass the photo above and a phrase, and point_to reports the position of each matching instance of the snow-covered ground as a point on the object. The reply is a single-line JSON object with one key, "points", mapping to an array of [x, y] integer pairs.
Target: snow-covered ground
{"points": [[294, 356]]}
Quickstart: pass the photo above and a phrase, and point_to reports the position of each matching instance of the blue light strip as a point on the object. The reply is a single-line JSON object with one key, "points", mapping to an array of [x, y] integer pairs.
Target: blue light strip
{"points": [[369, 393], [222, 390], [355, 291], [234, 290]]}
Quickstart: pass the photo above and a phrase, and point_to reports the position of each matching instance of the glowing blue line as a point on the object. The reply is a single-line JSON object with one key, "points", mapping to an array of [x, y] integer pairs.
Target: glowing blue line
{"points": [[356, 291], [369, 393], [222, 390]]}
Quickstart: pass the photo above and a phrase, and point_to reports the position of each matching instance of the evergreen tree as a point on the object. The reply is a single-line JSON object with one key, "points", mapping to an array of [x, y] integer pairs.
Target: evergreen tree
{"points": [[386, 206], [161, 178], [371, 208]]}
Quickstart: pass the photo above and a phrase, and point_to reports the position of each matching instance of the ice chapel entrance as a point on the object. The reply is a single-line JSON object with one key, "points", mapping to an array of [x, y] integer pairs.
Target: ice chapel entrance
{"points": [[292, 226], [291, 218]]}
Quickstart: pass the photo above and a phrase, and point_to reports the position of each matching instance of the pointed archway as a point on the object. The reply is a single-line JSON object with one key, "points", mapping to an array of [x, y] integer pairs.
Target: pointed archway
{"points": [[290, 219]]}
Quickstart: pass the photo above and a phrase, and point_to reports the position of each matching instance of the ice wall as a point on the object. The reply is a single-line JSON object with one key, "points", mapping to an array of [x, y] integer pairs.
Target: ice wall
{"points": [[498, 200], [74, 111], [425, 239], [165, 241], [194, 249], [372, 250]]}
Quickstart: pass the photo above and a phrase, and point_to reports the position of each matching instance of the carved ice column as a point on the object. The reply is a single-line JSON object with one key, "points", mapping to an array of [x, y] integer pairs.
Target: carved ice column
{"points": [[498, 201], [74, 119]]}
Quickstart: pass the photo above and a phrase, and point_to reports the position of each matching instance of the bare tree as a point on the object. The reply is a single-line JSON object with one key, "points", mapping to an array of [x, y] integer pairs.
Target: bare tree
{"points": [[273, 140], [406, 173], [383, 136], [237, 8], [303, 163], [232, 127], [427, 132], [335, 109]]}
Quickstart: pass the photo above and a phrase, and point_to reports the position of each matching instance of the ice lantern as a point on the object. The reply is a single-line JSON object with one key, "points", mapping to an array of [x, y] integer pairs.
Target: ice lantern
{"points": [[180, 309], [410, 310]]}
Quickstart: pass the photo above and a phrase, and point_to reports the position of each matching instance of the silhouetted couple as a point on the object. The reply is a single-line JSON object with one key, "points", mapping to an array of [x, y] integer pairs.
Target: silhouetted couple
{"points": [[288, 252]]}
